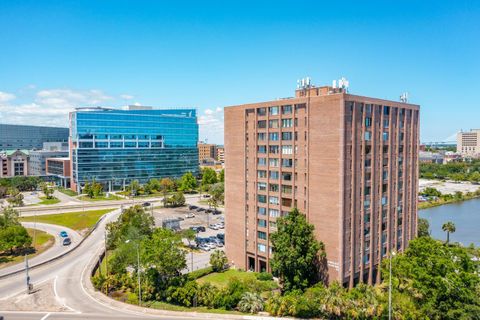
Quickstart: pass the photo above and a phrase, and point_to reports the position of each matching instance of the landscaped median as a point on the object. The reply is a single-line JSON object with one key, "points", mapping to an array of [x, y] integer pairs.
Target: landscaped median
{"points": [[82, 221]]}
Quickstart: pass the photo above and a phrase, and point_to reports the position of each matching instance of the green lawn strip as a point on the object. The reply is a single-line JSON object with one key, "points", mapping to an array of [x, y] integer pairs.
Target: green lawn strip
{"points": [[440, 202], [46, 201], [68, 192], [172, 307], [220, 279], [43, 241], [102, 198], [73, 220]]}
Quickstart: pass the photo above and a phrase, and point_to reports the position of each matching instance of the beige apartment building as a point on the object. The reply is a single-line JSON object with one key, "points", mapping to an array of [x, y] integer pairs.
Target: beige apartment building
{"points": [[468, 143], [348, 162], [206, 152]]}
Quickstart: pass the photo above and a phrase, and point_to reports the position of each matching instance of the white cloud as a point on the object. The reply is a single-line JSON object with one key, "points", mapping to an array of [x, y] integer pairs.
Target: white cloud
{"points": [[208, 112], [50, 107], [5, 96], [126, 97], [211, 126], [219, 109]]}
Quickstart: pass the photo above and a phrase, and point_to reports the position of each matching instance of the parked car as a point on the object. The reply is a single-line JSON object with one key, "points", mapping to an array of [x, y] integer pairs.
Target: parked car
{"points": [[201, 229], [209, 211], [189, 215], [192, 207], [221, 236], [63, 234], [204, 247], [216, 212], [67, 241], [200, 209], [206, 196], [213, 227], [146, 204]]}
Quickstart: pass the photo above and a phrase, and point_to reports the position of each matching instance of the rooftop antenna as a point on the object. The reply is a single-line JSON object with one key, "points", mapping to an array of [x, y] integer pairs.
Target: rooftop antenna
{"points": [[304, 83], [404, 97], [342, 84]]}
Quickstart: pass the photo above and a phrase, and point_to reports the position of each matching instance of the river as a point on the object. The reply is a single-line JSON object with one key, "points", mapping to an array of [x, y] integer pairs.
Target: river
{"points": [[465, 215]]}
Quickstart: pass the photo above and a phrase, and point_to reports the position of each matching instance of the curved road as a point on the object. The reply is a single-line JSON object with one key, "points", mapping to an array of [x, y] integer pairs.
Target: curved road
{"points": [[57, 249], [67, 275]]}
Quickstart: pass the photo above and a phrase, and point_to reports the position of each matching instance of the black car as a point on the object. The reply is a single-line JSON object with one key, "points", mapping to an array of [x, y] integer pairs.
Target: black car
{"points": [[221, 236], [67, 241], [216, 212], [201, 229], [146, 204], [209, 211], [200, 209], [191, 207]]}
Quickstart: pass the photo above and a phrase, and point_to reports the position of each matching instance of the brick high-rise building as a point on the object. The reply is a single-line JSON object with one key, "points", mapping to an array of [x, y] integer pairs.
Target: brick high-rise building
{"points": [[348, 162]]}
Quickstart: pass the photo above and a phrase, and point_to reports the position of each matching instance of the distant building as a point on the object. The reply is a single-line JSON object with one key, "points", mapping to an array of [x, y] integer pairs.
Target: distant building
{"points": [[468, 143], [37, 160], [207, 153], [115, 147], [14, 137], [451, 156], [221, 154], [14, 163], [430, 157], [60, 169], [348, 162]]}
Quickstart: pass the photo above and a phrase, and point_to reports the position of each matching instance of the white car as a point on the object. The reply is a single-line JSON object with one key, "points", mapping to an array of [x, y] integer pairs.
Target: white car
{"points": [[213, 227], [189, 216]]}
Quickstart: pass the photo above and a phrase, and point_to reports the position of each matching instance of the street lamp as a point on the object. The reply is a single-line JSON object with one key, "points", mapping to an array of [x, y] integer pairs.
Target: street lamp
{"points": [[138, 273], [392, 254]]}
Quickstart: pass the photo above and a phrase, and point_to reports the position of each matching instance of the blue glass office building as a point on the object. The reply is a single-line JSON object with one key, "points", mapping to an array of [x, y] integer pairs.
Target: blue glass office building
{"points": [[115, 147]]}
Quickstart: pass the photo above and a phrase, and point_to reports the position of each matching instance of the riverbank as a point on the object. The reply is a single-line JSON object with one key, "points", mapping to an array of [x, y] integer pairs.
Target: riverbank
{"points": [[441, 202]]}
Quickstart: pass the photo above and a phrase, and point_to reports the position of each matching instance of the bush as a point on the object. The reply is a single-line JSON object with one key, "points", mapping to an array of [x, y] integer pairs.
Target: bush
{"points": [[207, 294], [194, 275], [264, 276], [218, 260], [230, 297], [251, 303], [183, 295]]}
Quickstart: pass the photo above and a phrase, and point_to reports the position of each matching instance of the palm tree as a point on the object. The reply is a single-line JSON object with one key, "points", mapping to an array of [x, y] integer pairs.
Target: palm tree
{"points": [[251, 303], [448, 227]]}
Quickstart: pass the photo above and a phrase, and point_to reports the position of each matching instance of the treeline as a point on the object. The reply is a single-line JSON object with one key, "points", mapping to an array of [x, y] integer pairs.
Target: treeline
{"points": [[456, 171], [20, 183], [14, 238]]}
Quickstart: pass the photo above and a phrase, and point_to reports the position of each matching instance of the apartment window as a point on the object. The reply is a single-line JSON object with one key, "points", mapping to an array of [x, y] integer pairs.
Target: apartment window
{"points": [[286, 189], [261, 136], [368, 136], [273, 124], [273, 162], [115, 144], [262, 223], [287, 109], [262, 211], [273, 136], [262, 198], [386, 123], [273, 200], [385, 136], [368, 163], [261, 111], [286, 202], [261, 173], [287, 149], [287, 176], [261, 149], [287, 163], [273, 213], [368, 122], [287, 123], [384, 200], [130, 144], [273, 111], [273, 187], [386, 110], [101, 144], [261, 248], [262, 161], [262, 186], [274, 149], [262, 124], [287, 136], [273, 175]]}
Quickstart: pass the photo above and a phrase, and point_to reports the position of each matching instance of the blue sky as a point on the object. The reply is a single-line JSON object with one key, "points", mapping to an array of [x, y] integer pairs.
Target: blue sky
{"points": [[56, 55]]}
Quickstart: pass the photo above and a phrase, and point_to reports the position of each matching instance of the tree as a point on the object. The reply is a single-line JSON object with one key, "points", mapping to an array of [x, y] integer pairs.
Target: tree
{"points": [[209, 176], [474, 177], [134, 187], [16, 198], [133, 224], [48, 192], [448, 227], [431, 192], [188, 182], [296, 252], [162, 251], [217, 192], [218, 260], [221, 176], [154, 185], [166, 185], [442, 281], [423, 228], [9, 217], [250, 303], [3, 191], [14, 237]]}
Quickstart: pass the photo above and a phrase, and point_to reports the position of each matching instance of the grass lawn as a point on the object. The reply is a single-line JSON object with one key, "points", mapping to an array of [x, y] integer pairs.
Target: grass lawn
{"points": [[46, 201], [43, 241], [171, 307], [101, 198], [73, 220], [220, 279], [68, 192]]}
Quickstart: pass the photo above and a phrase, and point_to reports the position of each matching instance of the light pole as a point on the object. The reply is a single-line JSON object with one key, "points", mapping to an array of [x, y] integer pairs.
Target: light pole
{"points": [[138, 273], [392, 254]]}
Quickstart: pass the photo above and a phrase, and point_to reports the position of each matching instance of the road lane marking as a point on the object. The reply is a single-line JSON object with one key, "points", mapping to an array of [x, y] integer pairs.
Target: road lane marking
{"points": [[61, 300], [23, 290], [45, 316]]}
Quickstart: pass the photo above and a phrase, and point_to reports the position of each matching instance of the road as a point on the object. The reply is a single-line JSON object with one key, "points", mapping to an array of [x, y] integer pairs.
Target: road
{"points": [[68, 279], [57, 249]]}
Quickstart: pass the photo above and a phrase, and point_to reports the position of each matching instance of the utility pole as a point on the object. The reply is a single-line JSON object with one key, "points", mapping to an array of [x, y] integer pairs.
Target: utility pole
{"points": [[106, 263], [138, 272], [29, 286]]}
